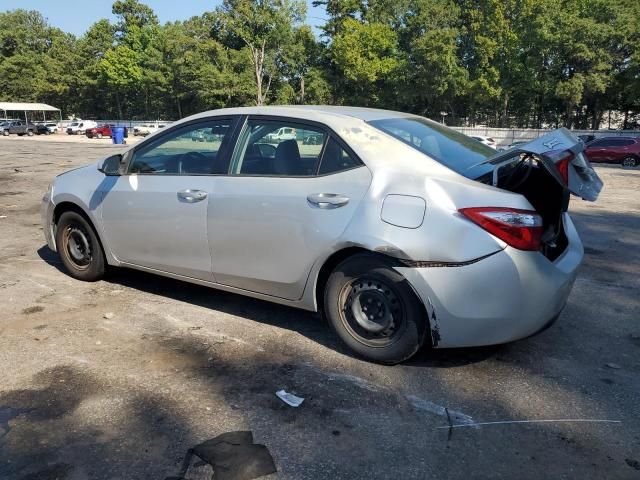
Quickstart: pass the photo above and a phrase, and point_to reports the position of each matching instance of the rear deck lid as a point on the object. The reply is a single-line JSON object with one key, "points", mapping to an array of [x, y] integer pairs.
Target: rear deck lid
{"points": [[556, 150]]}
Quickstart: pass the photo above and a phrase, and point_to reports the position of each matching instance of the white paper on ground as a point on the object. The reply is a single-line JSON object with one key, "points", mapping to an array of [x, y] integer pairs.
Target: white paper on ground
{"points": [[289, 398]]}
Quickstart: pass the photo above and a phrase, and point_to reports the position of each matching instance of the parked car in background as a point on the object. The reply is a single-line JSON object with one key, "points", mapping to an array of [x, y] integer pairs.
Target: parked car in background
{"points": [[46, 128], [282, 134], [147, 129], [622, 150], [586, 138], [4, 124], [99, 131], [486, 140], [20, 128], [80, 127], [511, 145], [403, 232]]}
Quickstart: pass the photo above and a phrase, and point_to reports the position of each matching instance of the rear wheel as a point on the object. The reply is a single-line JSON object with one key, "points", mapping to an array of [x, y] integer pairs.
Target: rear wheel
{"points": [[630, 161], [30, 133], [374, 310], [79, 248]]}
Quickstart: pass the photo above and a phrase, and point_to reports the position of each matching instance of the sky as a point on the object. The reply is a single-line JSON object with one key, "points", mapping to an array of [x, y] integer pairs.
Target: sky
{"points": [[76, 17]]}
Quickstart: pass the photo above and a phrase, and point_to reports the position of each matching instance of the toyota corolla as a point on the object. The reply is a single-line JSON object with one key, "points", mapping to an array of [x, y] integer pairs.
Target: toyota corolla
{"points": [[400, 230]]}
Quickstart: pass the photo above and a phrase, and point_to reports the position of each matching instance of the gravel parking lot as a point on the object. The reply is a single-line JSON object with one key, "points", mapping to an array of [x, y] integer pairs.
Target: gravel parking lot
{"points": [[119, 378]]}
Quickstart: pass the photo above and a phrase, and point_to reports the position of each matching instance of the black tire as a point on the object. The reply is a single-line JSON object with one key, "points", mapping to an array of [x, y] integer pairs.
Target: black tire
{"points": [[630, 161], [365, 287], [30, 133], [5, 133], [79, 247]]}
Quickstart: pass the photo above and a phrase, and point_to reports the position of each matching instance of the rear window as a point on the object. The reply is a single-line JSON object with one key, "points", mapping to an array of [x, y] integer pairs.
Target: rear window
{"points": [[452, 149]]}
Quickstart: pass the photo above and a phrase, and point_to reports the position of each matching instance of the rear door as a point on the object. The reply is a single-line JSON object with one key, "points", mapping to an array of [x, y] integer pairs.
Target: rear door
{"points": [[283, 204], [155, 216]]}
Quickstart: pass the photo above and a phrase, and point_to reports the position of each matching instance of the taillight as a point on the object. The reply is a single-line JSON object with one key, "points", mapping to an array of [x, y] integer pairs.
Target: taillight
{"points": [[522, 229]]}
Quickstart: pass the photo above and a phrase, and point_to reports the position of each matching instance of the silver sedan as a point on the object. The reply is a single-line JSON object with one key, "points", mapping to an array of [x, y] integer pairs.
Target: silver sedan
{"points": [[401, 231]]}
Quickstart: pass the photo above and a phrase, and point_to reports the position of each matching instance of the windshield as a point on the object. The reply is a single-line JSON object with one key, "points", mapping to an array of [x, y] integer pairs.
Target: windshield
{"points": [[453, 149]]}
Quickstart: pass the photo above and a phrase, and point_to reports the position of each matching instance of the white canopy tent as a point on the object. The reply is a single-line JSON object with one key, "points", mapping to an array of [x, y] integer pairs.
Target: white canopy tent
{"points": [[28, 107]]}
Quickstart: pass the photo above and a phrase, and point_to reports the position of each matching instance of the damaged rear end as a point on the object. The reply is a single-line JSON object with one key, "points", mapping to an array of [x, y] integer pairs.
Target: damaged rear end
{"points": [[546, 171]]}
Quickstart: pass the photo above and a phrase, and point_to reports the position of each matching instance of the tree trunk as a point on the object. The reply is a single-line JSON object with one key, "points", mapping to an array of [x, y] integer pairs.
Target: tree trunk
{"points": [[302, 90], [505, 107], [179, 107], [119, 104]]}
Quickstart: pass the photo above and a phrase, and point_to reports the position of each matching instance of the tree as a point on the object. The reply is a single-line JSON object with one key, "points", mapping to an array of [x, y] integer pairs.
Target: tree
{"points": [[266, 28]]}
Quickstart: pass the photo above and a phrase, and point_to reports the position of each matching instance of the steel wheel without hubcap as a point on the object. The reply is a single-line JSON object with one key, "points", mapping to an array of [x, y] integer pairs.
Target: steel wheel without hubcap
{"points": [[629, 162], [77, 247], [372, 312]]}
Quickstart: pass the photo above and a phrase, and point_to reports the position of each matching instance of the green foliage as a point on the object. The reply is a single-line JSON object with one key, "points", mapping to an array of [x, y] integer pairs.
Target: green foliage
{"points": [[497, 62]]}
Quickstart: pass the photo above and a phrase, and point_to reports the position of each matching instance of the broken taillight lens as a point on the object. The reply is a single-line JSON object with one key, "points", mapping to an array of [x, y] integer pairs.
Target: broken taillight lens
{"points": [[522, 229]]}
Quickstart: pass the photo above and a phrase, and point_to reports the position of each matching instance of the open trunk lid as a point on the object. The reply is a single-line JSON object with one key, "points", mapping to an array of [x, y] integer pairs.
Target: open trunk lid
{"points": [[550, 150]]}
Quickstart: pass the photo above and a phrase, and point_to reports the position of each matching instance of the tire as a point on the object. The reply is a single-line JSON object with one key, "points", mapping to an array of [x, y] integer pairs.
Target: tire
{"points": [[5, 133], [99, 136], [630, 161], [30, 133], [79, 248], [364, 282]]}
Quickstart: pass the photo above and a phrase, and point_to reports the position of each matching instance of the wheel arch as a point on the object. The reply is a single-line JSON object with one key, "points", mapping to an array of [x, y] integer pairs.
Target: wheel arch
{"points": [[68, 206], [339, 256]]}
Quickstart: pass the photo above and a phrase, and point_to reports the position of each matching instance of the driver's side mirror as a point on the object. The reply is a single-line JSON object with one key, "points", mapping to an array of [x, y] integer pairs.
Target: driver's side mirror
{"points": [[111, 165]]}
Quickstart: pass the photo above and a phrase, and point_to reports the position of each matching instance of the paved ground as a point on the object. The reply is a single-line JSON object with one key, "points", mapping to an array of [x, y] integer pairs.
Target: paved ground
{"points": [[84, 396]]}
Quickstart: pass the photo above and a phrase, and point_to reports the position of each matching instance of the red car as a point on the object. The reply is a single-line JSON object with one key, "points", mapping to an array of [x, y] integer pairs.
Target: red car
{"points": [[624, 150], [99, 132]]}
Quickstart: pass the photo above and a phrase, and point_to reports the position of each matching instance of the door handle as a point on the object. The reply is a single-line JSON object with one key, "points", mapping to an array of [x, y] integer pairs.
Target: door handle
{"points": [[191, 196], [327, 201]]}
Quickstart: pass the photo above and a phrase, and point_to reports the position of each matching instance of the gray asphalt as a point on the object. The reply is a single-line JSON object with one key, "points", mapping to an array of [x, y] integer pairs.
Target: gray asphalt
{"points": [[119, 378]]}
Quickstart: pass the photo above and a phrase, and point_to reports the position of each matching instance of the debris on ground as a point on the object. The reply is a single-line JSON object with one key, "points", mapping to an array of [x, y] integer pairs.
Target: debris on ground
{"points": [[289, 398], [108, 315], [233, 456], [615, 366]]}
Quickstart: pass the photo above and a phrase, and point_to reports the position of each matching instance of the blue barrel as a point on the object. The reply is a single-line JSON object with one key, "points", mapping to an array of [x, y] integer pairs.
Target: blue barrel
{"points": [[117, 135]]}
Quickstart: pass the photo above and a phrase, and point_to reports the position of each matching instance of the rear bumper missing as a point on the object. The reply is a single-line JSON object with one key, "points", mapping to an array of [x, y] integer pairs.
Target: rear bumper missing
{"points": [[504, 297]]}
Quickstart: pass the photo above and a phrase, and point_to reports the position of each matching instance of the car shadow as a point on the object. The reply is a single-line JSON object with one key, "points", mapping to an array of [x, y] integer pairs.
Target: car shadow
{"points": [[309, 324]]}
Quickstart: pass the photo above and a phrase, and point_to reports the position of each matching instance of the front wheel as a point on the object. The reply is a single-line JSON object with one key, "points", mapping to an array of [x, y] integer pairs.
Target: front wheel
{"points": [[79, 248], [629, 161], [374, 310], [30, 133], [99, 136]]}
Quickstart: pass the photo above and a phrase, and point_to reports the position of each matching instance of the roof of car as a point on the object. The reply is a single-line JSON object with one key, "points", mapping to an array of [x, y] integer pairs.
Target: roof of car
{"points": [[366, 114]]}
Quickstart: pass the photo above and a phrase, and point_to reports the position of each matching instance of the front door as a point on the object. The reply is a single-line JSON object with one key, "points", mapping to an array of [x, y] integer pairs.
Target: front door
{"points": [[284, 203], [156, 215]]}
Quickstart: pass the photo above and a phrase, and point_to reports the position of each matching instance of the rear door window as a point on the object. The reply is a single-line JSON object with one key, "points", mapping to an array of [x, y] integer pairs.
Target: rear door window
{"points": [[267, 147], [336, 159]]}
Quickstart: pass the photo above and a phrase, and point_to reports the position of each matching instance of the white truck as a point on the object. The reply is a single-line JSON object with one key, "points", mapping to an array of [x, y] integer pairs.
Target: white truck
{"points": [[79, 127]]}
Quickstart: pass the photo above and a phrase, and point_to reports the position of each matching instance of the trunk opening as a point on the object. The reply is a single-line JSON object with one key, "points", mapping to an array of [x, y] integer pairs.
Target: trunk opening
{"points": [[550, 199]]}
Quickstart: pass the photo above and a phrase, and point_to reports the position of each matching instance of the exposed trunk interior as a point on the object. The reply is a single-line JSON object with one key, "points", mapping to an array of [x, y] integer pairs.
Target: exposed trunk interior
{"points": [[550, 199]]}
